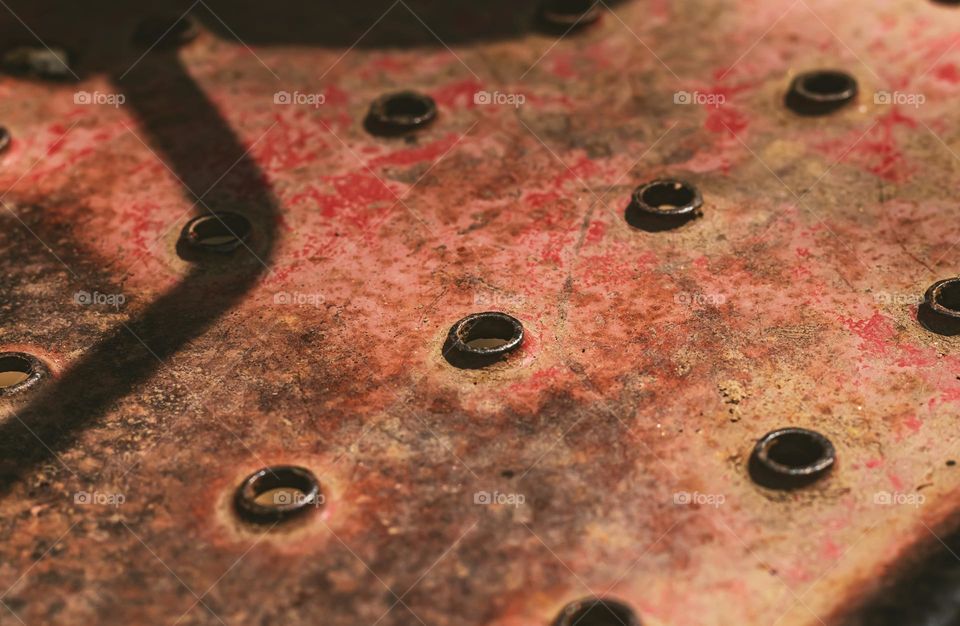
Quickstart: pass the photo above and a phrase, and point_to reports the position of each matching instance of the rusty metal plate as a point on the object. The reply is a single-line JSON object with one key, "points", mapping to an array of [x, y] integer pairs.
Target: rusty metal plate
{"points": [[608, 456]]}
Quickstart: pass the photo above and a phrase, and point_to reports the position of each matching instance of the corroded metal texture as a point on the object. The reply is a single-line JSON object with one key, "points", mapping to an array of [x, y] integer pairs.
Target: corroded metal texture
{"points": [[608, 454]]}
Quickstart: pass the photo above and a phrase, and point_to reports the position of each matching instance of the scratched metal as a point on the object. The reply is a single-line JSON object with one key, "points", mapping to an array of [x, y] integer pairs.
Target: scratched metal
{"points": [[652, 360]]}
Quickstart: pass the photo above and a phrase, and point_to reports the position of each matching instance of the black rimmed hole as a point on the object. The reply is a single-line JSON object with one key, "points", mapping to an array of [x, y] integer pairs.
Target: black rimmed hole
{"points": [[399, 113], [217, 232], [821, 91], [951, 463], [791, 457], [663, 204], [946, 296], [668, 196], [940, 310], [481, 339], [14, 370], [795, 450], [165, 32], [277, 493], [5, 139], [567, 14], [19, 371], [597, 612]]}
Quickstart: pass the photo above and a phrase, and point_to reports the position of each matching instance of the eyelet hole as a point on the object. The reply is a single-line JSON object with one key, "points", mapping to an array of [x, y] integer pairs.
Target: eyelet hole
{"points": [[19, 371], [820, 92], [217, 232], [791, 457], [399, 113], [795, 450], [14, 370], [663, 204], [481, 339], [276, 493]]}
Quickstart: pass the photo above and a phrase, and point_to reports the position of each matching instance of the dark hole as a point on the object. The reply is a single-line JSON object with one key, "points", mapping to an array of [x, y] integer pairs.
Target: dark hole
{"points": [[281, 481], [951, 463], [406, 105], [275, 493], [488, 332], [668, 195], [14, 370], [827, 83], [220, 230], [602, 613], [795, 450], [507, 473], [948, 296]]}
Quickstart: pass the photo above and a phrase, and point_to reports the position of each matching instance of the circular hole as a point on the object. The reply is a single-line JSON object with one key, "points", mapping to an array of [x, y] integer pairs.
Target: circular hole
{"points": [[482, 338], [597, 612], [944, 297], [791, 457], [567, 14], [821, 91], [5, 139], [664, 204], [795, 450], [279, 492], [217, 232], [668, 196], [19, 371], [951, 463], [168, 31], [401, 112], [827, 84]]}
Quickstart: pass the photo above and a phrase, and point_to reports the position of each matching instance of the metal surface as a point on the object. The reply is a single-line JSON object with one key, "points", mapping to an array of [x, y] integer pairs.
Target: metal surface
{"points": [[608, 456]]}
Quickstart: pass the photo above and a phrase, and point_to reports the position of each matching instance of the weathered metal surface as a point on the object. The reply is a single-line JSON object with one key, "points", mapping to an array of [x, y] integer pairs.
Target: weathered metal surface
{"points": [[652, 361]]}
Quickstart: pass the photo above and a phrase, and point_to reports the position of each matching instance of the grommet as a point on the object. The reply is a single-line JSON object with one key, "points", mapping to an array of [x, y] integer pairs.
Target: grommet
{"points": [[565, 15], [940, 310], [664, 204], [398, 113], [48, 63], [788, 458], [277, 493], [19, 371], [481, 339], [221, 231], [5, 139], [597, 612], [166, 32], [821, 91]]}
